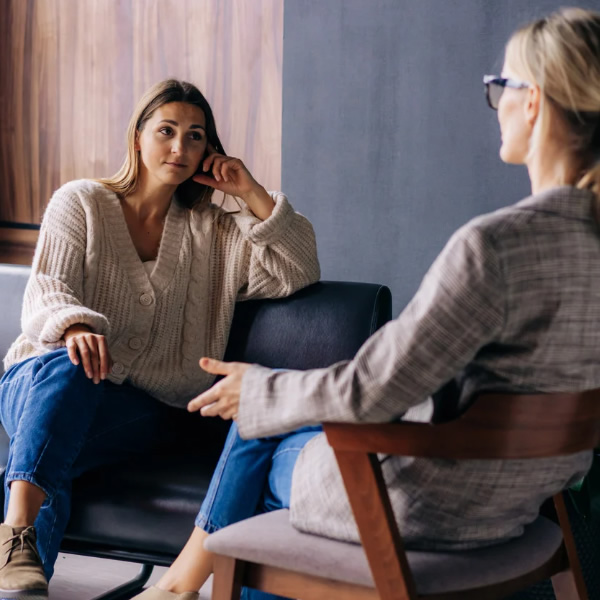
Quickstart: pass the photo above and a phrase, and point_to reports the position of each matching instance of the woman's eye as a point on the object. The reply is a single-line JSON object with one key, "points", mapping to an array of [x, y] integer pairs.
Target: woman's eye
{"points": [[166, 130], [196, 136]]}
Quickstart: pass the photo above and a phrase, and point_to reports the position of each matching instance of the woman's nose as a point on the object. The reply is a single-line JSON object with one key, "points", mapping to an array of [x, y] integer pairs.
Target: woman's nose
{"points": [[177, 147]]}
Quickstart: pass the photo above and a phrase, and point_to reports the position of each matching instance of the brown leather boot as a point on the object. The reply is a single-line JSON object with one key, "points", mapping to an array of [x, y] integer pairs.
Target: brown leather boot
{"points": [[21, 572]]}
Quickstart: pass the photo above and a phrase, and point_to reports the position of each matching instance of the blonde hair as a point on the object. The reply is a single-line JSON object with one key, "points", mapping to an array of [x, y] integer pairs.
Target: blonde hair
{"points": [[124, 181], [561, 55]]}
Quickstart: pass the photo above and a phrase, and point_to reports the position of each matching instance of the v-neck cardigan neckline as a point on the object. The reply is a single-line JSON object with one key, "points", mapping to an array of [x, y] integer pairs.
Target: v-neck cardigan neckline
{"points": [[168, 251]]}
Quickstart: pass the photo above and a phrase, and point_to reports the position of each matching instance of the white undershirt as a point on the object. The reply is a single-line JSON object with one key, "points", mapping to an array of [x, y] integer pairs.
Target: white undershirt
{"points": [[149, 266]]}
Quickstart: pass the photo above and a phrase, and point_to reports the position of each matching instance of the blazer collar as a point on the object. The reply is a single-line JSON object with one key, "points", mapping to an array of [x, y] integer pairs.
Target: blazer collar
{"points": [[567, 201]]}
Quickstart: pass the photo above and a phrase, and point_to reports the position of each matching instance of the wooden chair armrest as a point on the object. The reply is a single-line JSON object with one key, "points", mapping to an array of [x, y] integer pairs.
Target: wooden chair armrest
{"points": [[464, 438], [385, 438], [494, 426], [379, 533]]}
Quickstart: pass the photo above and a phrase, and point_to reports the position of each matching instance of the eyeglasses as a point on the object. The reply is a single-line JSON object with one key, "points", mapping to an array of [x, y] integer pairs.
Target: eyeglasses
{"points": [[494, 86]]}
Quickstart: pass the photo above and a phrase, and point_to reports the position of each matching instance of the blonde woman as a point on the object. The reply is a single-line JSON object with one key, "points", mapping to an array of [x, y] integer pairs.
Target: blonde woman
{"points": [[511, 304], [134, 278]]}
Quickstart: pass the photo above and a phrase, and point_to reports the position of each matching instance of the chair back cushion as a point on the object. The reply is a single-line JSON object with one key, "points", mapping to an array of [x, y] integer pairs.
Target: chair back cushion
{"points": [[316, 327], [13, 279]]}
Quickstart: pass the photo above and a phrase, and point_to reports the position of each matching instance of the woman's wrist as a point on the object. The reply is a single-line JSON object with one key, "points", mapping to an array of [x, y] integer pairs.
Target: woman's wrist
{"points": [[74, 330], [259, 202]]}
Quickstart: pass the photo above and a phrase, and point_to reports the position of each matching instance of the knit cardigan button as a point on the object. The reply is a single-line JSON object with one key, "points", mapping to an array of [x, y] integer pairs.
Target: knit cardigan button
{"points": [[117, 368], [135, 343], [146, 299]]}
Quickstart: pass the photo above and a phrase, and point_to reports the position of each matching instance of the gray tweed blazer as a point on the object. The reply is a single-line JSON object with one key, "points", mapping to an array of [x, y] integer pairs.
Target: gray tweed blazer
{"points": [[511, 304]]}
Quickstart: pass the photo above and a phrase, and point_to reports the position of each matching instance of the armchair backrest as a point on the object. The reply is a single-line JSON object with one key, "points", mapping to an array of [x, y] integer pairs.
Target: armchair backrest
{"points": [[13, 279], [316, 327], [495, 426]]}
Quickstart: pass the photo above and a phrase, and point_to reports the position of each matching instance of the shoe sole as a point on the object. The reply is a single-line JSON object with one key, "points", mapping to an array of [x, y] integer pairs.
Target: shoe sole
{"points": [[23, 594]]}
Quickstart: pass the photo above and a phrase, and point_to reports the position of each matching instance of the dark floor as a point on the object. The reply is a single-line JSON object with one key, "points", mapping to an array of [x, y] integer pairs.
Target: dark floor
{"points": [[82, 578]]}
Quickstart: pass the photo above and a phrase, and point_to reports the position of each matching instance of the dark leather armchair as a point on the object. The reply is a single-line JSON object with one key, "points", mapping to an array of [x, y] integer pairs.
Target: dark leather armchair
{"points": [[123, 512]]}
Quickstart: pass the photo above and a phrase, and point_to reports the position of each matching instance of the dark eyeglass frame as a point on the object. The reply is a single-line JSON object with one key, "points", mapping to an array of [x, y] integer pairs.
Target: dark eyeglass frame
{"points": [[501, 82]]}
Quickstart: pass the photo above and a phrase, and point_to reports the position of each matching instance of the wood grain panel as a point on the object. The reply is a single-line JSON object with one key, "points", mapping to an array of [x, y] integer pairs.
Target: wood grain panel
{"points": [[17, 245], [96, 98], [44, 124], [72, 70]]}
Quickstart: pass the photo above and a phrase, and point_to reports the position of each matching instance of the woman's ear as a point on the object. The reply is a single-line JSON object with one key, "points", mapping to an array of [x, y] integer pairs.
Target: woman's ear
{"points": [[532, 104], [136, 145]]}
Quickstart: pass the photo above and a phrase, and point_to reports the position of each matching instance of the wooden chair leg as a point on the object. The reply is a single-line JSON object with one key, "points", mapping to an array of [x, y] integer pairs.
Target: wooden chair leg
{"points": [[227, 578], [568, 585]]}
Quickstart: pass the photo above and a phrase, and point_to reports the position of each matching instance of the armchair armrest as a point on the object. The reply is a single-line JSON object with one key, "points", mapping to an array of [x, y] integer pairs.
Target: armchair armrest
{"points": [[495, 426], [380, 438], [355, 447]]}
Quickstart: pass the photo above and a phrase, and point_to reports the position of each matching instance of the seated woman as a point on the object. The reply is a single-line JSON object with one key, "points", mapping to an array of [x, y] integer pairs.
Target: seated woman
{"points": [[511, 304], [134, 278]]}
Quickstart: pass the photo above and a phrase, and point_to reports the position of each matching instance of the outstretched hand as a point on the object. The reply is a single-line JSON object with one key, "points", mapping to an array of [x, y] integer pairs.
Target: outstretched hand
{"points": [[223, 398]]}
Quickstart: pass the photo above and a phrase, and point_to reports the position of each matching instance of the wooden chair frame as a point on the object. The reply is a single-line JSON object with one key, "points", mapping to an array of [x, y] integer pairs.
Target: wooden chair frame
{"points": [[496, 426]]}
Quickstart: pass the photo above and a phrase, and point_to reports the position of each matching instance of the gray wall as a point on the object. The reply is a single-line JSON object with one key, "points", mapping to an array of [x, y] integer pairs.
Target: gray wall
{"points": [[388, 143]]}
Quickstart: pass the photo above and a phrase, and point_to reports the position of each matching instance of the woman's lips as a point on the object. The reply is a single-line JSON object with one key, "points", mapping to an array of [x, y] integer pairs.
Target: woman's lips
{"points": [[177, 165]]}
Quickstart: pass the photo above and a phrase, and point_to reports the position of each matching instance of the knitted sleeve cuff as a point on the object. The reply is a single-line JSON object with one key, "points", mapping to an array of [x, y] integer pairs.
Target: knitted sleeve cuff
{"points": [[55, 327], [269, 231]]}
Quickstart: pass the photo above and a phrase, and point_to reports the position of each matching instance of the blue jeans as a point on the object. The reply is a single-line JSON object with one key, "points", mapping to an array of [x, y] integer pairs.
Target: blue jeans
{"points": [[252, 476], [60, 425]]}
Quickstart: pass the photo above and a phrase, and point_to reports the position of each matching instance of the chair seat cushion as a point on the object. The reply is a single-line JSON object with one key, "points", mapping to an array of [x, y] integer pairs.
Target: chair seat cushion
{"points": [[269, 539], [145, 505]]}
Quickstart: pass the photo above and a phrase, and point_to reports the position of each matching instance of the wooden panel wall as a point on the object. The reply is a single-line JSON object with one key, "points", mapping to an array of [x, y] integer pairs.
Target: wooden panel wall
{"points": [[72, 70]]}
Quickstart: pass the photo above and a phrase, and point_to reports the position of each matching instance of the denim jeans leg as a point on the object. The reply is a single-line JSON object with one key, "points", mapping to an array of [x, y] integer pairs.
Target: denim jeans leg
{"points": [[251, 476], [62, 424], [237, 485], [128, 423], [45, 401], [47, 405], [277, 493], [279, 488]]}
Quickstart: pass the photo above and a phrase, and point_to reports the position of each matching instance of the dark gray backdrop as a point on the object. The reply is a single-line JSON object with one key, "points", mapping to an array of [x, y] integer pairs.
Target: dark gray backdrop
{"points": [[388, 143]]}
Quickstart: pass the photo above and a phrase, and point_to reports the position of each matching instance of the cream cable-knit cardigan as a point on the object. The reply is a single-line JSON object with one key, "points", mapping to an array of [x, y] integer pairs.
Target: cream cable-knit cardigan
{"points": [[87, 270]]}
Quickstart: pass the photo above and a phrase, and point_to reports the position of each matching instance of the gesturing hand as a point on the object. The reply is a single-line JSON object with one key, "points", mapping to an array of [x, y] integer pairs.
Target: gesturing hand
{"points": [[223, 398], [92, 348]]}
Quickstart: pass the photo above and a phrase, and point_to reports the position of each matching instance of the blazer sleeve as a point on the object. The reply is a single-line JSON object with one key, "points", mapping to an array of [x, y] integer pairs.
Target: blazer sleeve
{"points": [[458, 308], [53, 299], [273, 258]]}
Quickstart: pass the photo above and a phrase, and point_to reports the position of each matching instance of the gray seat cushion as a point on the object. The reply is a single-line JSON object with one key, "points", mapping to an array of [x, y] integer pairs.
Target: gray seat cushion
{"points": [[270, 539]]}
